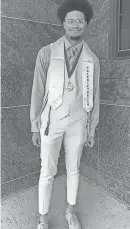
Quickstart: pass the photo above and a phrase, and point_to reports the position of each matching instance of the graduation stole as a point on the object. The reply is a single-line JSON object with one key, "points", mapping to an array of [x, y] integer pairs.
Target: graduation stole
{"points": [[56, 73]]}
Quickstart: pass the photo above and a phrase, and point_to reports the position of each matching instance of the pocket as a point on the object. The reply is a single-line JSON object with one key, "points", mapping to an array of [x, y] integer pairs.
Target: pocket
{"points": [[43, 126], [44, 104], [45, 139]]}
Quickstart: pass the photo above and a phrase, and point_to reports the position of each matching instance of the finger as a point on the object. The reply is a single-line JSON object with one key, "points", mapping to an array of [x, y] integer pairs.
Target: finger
{"points": [[38, 145], [35, 143], [86, 144], [90, 144], [39, 142]]}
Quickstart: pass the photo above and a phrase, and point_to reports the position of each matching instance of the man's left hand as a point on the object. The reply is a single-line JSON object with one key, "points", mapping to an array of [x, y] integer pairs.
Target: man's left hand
{"points": [[90, 141]]}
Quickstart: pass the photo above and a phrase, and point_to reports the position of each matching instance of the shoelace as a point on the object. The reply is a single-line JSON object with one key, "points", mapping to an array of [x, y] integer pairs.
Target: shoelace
{"points": [[72, 218], [42, 226]]}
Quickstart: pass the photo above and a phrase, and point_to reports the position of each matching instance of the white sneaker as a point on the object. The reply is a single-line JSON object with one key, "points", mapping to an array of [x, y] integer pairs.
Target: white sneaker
{"points": [[72, 221], [42, 226]]}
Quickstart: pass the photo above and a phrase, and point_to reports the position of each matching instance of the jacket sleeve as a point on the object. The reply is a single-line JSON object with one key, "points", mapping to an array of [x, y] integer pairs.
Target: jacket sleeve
{"points": [[38, 87], [94, 116]]}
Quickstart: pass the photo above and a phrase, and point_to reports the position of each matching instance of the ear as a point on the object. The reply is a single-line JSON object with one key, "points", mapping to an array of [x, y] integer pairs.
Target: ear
{"points": [[86, 23], [64, 24]]}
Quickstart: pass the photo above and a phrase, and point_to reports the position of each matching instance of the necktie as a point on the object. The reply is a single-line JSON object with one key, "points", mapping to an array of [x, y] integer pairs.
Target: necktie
{"points": [[72, 54]]}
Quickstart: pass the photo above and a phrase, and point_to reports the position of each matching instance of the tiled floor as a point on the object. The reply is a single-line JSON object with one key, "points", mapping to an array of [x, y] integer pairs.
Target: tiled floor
{"points": [[95, 208]]}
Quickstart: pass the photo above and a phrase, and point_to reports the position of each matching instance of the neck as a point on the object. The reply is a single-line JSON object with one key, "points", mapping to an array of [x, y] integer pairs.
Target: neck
{"points": [[74, 40]]}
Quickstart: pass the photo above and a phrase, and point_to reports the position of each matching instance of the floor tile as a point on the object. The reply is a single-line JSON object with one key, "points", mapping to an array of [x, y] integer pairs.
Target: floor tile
{"points": [[95, 208]]}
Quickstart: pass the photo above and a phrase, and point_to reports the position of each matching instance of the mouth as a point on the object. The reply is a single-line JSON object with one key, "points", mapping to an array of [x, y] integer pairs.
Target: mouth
{"points": [[75, 30]]}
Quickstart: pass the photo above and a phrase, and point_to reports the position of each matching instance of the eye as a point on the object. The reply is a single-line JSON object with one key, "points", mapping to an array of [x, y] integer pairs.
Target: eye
{"points": [[80, 21], [70, 21]]}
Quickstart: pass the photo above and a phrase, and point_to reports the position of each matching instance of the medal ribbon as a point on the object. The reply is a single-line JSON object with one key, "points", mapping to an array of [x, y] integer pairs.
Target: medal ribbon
{"points": [[70, 72]]}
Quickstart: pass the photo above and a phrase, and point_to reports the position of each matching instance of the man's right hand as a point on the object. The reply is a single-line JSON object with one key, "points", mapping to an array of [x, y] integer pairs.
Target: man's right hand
{"points": [[36, 139]]}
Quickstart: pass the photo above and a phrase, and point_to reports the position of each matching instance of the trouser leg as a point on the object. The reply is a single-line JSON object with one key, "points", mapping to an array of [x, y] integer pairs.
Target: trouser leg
{"points": [[49, 160], [50, 147], [74, 140]]}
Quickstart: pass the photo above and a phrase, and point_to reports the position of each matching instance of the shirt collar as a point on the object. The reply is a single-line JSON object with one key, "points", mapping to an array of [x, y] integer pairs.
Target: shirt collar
{"points": [[68, 44]]}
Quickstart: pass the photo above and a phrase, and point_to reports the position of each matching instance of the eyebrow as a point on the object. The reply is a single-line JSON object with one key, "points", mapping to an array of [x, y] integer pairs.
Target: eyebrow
{"points": [[75, 19]]}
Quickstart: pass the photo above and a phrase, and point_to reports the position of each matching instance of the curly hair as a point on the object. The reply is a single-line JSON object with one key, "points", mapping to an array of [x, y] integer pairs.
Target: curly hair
{"points": [[78, 5]]}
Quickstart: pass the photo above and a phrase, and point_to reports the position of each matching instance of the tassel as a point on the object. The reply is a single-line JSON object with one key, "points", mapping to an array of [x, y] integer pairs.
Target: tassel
{"points": [[48, 123], [88, 125], [47, 130]]}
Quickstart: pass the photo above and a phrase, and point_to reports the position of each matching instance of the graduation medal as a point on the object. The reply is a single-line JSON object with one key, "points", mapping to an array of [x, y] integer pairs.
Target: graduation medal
{"points": [[69, 86]]}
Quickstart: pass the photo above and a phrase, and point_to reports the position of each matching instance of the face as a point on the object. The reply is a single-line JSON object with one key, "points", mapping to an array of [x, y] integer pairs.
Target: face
{"points": [[75, 24]]}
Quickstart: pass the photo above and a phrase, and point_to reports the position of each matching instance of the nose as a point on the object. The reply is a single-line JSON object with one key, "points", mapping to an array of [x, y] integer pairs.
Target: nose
{"points": [[75, 25]]}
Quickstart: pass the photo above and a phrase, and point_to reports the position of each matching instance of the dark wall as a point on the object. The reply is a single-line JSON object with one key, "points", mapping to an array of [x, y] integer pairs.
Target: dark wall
{"points": [[108, 163], [26, 27]]}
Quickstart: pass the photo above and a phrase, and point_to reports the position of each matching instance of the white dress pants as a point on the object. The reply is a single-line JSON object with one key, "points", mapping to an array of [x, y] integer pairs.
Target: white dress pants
{"points": [[74, 135]]}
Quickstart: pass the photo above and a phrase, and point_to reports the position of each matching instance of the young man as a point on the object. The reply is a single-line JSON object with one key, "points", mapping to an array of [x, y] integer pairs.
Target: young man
{"points": [[65, 105]]}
